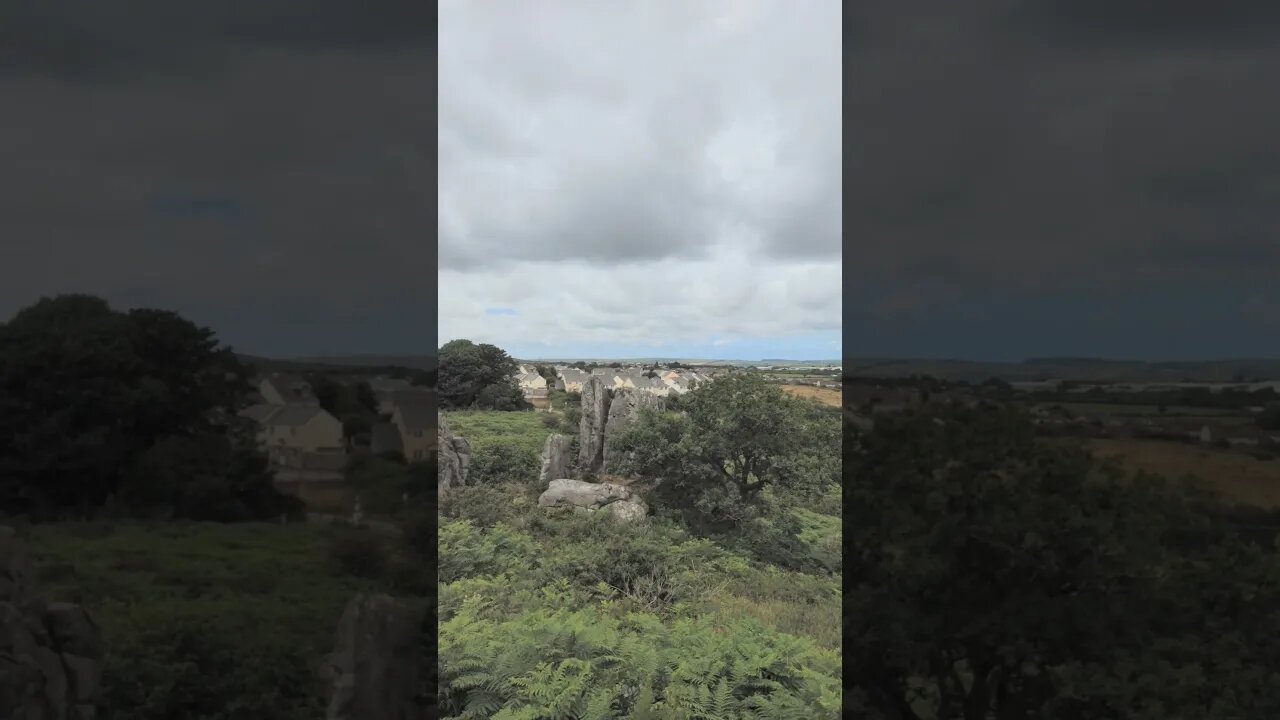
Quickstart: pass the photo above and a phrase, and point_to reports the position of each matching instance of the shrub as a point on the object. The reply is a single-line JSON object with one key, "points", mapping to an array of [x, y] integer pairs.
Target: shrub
{"points": [[358, 552], [497, 464]]}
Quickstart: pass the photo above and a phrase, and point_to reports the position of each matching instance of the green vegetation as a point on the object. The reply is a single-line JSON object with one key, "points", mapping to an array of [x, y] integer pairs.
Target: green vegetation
{"points": [[203, 620], [477, 377], [561, 614], [993, 574], [135, 410]]}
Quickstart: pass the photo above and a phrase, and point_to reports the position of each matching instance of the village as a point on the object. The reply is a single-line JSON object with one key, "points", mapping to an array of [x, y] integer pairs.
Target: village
{"points": [[538, 386]]}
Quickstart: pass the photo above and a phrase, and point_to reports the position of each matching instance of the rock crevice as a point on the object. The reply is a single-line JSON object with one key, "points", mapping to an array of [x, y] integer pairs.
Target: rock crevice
{"points": [[50, 653], [454, 457]]}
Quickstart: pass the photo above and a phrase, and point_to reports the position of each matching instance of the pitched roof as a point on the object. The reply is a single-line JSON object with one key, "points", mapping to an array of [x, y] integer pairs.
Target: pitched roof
{"points": [[293, 415], [417, 415], [259, 412], [292, 388]]}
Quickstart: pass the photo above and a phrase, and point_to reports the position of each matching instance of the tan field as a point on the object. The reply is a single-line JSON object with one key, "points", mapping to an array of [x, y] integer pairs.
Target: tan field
{"points": [[1236, 476], [826, 396]]}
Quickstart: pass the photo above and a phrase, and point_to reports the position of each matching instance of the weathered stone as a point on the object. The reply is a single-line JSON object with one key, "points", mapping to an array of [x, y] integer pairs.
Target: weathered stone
{"points": [[556, 462], [590, 497], [454, 457], [564, 491], [73, 630], [84, 677], [624, 407], [595, 414], [50, 655], [629, 510], [379, 668]]}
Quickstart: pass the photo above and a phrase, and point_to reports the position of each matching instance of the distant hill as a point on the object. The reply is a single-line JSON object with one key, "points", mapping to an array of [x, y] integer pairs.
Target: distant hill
{"points": [[1070, 368]]}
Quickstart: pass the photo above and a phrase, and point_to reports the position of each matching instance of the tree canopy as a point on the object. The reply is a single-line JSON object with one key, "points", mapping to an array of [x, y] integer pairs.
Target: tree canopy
{"points": [[91, 399], [480, 376], [730, 440], [992, 575]]}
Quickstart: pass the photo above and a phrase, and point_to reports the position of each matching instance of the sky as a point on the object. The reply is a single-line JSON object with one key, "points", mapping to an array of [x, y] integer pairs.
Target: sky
{"points": [[1062, 178], [641, 179], [262, 167]]}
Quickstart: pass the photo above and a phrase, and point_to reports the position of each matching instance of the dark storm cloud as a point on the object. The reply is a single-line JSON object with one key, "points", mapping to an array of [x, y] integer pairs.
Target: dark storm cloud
{"points": [[1025, 143], [88, 39], [276, 180]]}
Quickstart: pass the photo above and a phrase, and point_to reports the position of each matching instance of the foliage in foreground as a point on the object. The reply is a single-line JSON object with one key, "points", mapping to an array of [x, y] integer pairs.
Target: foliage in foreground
{"points": [[208, 621], [583, 617], [991, 575]]}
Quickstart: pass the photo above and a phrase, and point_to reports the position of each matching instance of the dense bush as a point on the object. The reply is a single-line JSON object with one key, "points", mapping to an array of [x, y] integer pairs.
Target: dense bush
{"points": [[500, 464], [358, 552], [137, 409]]}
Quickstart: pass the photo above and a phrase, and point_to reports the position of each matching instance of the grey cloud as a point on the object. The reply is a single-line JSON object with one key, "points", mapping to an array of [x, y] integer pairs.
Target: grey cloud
{"points": [[1012, 159], [576, 131], [86, 40], [321, 149]]}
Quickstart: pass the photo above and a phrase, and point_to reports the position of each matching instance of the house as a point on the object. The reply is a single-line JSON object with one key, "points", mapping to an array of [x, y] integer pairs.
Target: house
{"points": [[531, 381], [573, 378], [540, 399], [284, 389], [417, 424], [387, 401], [300, 428], [385, 438]]}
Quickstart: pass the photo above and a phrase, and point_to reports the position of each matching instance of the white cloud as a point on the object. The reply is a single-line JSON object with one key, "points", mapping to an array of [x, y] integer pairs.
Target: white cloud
{"points": [[639, 174]]}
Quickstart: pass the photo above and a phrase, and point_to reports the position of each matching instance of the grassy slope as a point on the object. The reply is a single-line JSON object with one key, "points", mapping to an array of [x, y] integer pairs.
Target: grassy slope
{"points": [[485, 429], [261, 585], [1237, 476], [770, 599]]}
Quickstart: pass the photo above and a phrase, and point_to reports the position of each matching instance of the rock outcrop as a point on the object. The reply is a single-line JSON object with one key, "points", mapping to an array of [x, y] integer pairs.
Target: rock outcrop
{"points": [[50, 653], [615, 499], [454, 456], [556, 462], [605, 413], [596, 397], [379, 670], [623, 407]]}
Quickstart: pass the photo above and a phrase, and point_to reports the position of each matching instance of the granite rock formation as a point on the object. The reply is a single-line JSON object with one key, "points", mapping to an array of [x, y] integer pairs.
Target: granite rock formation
{"points": [[556, 462], [379, 669], [580, 494], [454, 456], [595, 414], [50, 653], [623, 407]]}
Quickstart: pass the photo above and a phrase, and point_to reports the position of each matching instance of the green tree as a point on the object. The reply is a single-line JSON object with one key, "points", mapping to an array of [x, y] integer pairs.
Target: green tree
{"points": [[85, 391], [482, 376], [734, 438], [991, 575]]}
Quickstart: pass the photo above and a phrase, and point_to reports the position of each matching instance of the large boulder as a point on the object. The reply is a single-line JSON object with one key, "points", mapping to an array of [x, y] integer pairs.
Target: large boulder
{"points": [[556, 462], [379, 669], [50, 654], [624, 406], [588, 496], [454, 456], [596, 397]]}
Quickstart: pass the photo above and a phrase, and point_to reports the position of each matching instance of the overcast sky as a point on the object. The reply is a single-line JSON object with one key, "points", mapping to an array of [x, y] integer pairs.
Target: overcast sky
{"points": [[1063, 177], [628, 179], [261, 166]]}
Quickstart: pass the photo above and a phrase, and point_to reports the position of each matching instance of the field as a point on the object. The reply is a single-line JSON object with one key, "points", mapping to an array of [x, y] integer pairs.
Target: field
{"points": [[1237, 476], [1119, 410], [826, 396], [485, 429], [194, 615]]}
